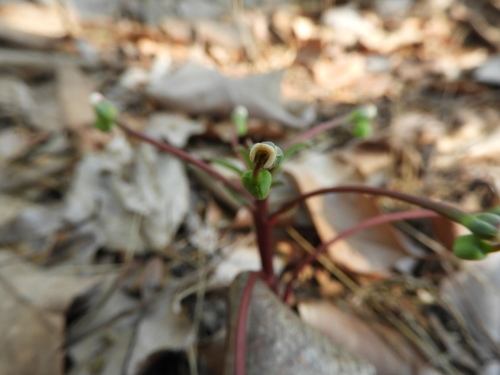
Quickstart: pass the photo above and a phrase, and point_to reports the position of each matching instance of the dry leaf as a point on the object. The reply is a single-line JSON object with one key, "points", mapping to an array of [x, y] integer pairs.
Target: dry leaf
{"points": [[176, 129], [74, 88], [382, 346], [372, 250], [142, 213], [199, 90], [32, 316], [475, 294], [35, 19]]}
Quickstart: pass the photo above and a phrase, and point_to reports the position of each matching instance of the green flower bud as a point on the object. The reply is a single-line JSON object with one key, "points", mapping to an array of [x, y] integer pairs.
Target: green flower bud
{"points": [[482, 225], [105, 111], [266, 155], [239, 118], [362, 129], [259, 185], [468, 247]]}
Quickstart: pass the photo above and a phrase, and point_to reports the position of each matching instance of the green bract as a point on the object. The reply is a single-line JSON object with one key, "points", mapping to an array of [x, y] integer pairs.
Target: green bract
{"points": [[105, 111], [362, 129], [482, 225], [468, 247], [260, 185]]}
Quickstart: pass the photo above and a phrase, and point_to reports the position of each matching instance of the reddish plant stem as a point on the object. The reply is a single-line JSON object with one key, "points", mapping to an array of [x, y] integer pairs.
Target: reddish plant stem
{"points": [[442, 208], [321, 127], [378, 220], [241, 326], [186, 157], [263, 231]]}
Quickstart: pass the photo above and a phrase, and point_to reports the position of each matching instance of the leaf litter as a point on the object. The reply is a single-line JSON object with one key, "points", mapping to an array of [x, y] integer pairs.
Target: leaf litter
{"points": [[126, 229]]}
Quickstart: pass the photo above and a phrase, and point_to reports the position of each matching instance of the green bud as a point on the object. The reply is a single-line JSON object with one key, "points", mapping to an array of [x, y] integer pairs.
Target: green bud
{"points": [[468, 247], [239, 117], [489, 217], [367, 112], [105, 111], [480, 227], [362, 129], [495, 210], [260, 185]]}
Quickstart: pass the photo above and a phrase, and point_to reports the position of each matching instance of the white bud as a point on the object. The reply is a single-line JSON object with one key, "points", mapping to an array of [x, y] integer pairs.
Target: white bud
{"points": [[95, 98]]}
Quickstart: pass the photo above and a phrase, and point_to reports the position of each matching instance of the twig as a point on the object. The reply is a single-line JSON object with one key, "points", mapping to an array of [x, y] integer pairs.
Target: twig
{"points": [[186, 157], [442, 208]]}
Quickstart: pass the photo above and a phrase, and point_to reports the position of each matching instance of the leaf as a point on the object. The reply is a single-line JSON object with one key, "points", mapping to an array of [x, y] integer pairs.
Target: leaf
{"points": [[228, 165], [372, 250], [258, 186], [32, 316], [199, 90], [387, 349]]}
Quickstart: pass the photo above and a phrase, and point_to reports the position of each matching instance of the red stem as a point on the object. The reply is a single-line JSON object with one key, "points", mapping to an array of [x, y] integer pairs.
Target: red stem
{"points": [[442, 208], [241, 326], [186, 157], [374, 221], [263, 231]]}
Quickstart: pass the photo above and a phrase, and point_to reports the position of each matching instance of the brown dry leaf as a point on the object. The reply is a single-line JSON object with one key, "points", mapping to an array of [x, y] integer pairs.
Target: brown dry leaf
{"points": [[74, 88], [177, 30], [40, 20], [199, 90], [382, 346], [216, 33], [25, 40], [32, 316], [373, 250], [277, 341], [342, 72]]}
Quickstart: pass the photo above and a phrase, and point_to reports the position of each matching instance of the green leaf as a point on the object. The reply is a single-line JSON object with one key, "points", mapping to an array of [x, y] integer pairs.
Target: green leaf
{"points": [[294, 149], [495, 210], [243, 151], [228, 165], [258, 186]]}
